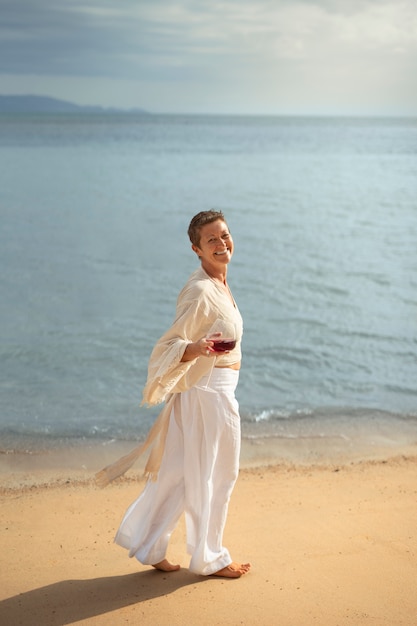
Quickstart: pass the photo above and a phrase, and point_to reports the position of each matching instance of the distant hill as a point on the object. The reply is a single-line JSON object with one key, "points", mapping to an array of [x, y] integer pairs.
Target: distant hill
{"points": [[44, 104]]}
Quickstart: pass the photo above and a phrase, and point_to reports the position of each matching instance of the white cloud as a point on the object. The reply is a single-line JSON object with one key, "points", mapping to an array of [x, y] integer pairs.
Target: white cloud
{"points": [[265, 56]]}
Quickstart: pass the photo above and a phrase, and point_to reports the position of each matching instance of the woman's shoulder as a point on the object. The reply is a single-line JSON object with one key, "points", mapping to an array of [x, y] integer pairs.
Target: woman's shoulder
{"points": [[198, 284]]}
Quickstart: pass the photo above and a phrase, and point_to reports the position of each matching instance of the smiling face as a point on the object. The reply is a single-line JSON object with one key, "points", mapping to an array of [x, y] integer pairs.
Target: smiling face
{"points": [[216, 246]]}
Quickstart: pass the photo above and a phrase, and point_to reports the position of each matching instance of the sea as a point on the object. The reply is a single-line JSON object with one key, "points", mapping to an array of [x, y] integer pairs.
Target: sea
{"points": [[94, 211]]}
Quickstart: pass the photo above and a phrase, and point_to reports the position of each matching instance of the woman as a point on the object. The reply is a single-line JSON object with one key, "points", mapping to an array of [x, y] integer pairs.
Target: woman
{"points": [[200, 449]]}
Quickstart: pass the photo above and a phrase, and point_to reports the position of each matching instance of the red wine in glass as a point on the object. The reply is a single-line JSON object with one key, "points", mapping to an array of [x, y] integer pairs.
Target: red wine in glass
{"points": [[222, 345]]}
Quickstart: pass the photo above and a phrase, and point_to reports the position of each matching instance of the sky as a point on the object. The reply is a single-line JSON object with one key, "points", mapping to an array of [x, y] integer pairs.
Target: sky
{"points": [[257, 57]]}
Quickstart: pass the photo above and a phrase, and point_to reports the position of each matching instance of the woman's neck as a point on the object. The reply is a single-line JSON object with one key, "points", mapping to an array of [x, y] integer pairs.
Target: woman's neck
{"points": [[219, 274]]}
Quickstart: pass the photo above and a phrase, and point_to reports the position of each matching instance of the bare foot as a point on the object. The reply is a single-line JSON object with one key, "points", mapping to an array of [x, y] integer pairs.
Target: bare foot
{"points": [[234, 570], [166, 566]]}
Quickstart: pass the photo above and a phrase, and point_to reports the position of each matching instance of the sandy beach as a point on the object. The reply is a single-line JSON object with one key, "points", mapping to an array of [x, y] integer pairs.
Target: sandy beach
{"points": [[331, 545]]}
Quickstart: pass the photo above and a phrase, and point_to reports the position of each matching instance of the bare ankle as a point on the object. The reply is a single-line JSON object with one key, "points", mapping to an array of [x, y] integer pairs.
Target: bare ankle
{"points": [[166, 566]]}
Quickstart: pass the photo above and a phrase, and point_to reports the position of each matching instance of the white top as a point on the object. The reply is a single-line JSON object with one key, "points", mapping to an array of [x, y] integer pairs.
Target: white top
{"points": [[201, 303]]}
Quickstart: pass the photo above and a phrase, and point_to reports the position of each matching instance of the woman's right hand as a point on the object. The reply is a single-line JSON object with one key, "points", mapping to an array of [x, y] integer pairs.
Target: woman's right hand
{"points": [[202, 347]]}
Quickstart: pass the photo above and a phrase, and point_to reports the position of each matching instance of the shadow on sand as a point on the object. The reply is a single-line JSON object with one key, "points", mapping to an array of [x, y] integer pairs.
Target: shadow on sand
{"points": [[70, 601]]}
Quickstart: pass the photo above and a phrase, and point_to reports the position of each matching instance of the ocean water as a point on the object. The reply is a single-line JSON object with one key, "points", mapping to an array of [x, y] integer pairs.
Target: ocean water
{"points": [[93, 252]]}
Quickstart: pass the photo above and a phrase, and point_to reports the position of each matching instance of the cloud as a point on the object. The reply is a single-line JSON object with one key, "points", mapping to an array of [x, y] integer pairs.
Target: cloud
{"points": [[214, 52], [44, 37]]}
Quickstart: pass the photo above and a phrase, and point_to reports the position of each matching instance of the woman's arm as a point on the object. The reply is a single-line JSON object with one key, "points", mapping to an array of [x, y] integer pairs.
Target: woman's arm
{"points": [[202, 347]]}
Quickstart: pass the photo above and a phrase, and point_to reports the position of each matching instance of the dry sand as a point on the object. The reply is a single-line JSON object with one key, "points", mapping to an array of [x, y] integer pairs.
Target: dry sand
{"points": [[334, 545]]}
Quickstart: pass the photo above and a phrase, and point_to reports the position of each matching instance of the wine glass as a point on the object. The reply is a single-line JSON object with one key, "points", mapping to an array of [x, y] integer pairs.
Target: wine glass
{"points": [[223, 335]]}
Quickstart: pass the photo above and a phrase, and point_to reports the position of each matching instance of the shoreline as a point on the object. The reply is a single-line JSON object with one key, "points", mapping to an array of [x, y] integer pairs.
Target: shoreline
{"points": [[30, 468], [329, 544], [68, 463]]}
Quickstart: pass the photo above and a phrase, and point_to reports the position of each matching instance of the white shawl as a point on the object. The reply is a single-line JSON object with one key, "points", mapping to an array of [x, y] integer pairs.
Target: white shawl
{"points": [[201, 303]]}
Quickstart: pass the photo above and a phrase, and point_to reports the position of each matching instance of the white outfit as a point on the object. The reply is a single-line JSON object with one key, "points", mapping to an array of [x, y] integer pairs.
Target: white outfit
{"points": [[196, 439], [198, 471]]}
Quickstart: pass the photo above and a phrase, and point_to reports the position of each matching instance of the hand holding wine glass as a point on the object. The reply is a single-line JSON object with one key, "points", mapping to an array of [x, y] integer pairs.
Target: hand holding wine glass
{"points": [[222, 334]]}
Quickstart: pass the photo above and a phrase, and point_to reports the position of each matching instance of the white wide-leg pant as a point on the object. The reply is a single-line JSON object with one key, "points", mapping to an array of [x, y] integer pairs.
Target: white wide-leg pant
{"points": [[197, 475]]}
